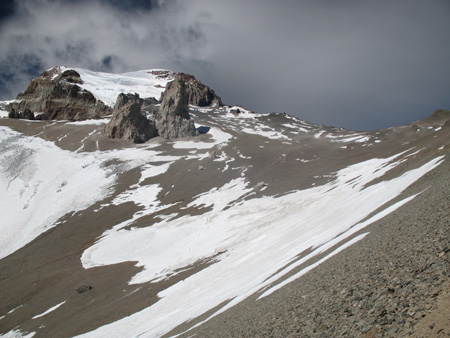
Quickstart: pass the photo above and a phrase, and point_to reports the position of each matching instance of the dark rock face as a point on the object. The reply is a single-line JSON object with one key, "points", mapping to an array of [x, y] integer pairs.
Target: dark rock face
{"points": [[25, 114], [175, 99], [128, 121], [56, 95], [198, 93], [173, 120], [176, 127]]}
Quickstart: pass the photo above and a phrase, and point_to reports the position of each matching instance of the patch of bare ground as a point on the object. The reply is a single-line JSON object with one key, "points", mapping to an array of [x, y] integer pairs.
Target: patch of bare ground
{"points": [[436, 323]]}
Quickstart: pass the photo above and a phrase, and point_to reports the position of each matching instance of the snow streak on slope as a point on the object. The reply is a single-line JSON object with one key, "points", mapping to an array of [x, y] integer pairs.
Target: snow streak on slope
{"points": [[253, 243], [53, 308], [106, 86], [39, 183], [17, 334]]}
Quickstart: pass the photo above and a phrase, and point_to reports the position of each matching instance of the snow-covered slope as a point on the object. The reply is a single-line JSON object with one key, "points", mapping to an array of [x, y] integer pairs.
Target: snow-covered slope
{"points": [[255, 243], [106, 86], [157, 235]]}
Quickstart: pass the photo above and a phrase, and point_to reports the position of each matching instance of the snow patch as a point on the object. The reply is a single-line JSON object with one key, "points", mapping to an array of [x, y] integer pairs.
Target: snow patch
{"points": [[15, 333], [295, 127], [49, 310], [219, 137], [90, 122], [265, 131], [360, 138], [150, 170], [244, 113]]}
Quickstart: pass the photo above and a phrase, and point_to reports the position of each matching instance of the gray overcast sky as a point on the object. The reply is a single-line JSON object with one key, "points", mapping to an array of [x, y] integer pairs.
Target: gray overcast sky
{"points": [[354, 64]]}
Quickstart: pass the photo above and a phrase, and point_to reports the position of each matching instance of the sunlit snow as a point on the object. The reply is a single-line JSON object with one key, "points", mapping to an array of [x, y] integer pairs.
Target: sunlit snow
{"points": [[17, 334], [252, 243], [41, 183], [53, 308], [107, 87], [218, 136], [90, 122], [265, 132]]}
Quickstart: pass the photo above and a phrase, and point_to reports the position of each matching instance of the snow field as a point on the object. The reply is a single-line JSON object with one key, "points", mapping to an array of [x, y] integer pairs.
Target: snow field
{"points": [[253, 243], [39, 183], [107, 87]]}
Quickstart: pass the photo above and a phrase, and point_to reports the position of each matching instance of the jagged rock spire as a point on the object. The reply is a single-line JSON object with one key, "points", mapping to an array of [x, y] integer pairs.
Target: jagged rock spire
{"points": [[128, 121], [173, 120]]}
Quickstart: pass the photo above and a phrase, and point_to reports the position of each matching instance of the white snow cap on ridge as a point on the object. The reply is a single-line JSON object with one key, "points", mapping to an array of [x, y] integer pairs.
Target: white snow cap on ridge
{"points": [[106, 86]]}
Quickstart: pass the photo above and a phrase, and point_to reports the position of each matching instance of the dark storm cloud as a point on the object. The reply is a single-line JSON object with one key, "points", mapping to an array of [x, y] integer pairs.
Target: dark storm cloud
{"points": [[6, 8], [132, 5], [99, 35], [361, 65], [16, 70], [357, 64]]}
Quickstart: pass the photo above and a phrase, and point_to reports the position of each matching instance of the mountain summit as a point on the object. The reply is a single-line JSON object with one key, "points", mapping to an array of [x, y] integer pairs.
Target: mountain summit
{"points": [[57, 94], [68, 94], [221, 222]]}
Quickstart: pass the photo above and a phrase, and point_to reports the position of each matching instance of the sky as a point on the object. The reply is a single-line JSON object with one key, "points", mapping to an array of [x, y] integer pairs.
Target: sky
{"points": [[361, 65]]}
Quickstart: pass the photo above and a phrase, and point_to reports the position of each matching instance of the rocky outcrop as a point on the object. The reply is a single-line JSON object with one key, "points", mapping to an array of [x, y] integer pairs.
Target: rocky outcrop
{"points": [[128, 121], [173, 119], [56, 94], [199, 94], [25, 114]]}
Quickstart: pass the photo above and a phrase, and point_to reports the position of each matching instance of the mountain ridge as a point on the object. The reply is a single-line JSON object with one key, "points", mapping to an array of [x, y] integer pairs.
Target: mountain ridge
{"points": [[79, 94]]}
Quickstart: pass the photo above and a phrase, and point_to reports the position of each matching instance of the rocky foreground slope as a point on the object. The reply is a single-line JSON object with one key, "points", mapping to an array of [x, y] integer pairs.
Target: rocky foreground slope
{"points": [[259, 226]]}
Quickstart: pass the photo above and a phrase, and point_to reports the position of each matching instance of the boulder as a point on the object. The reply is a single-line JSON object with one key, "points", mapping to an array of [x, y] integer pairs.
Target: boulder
{"points": [[56, 94], [128, 121]]}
